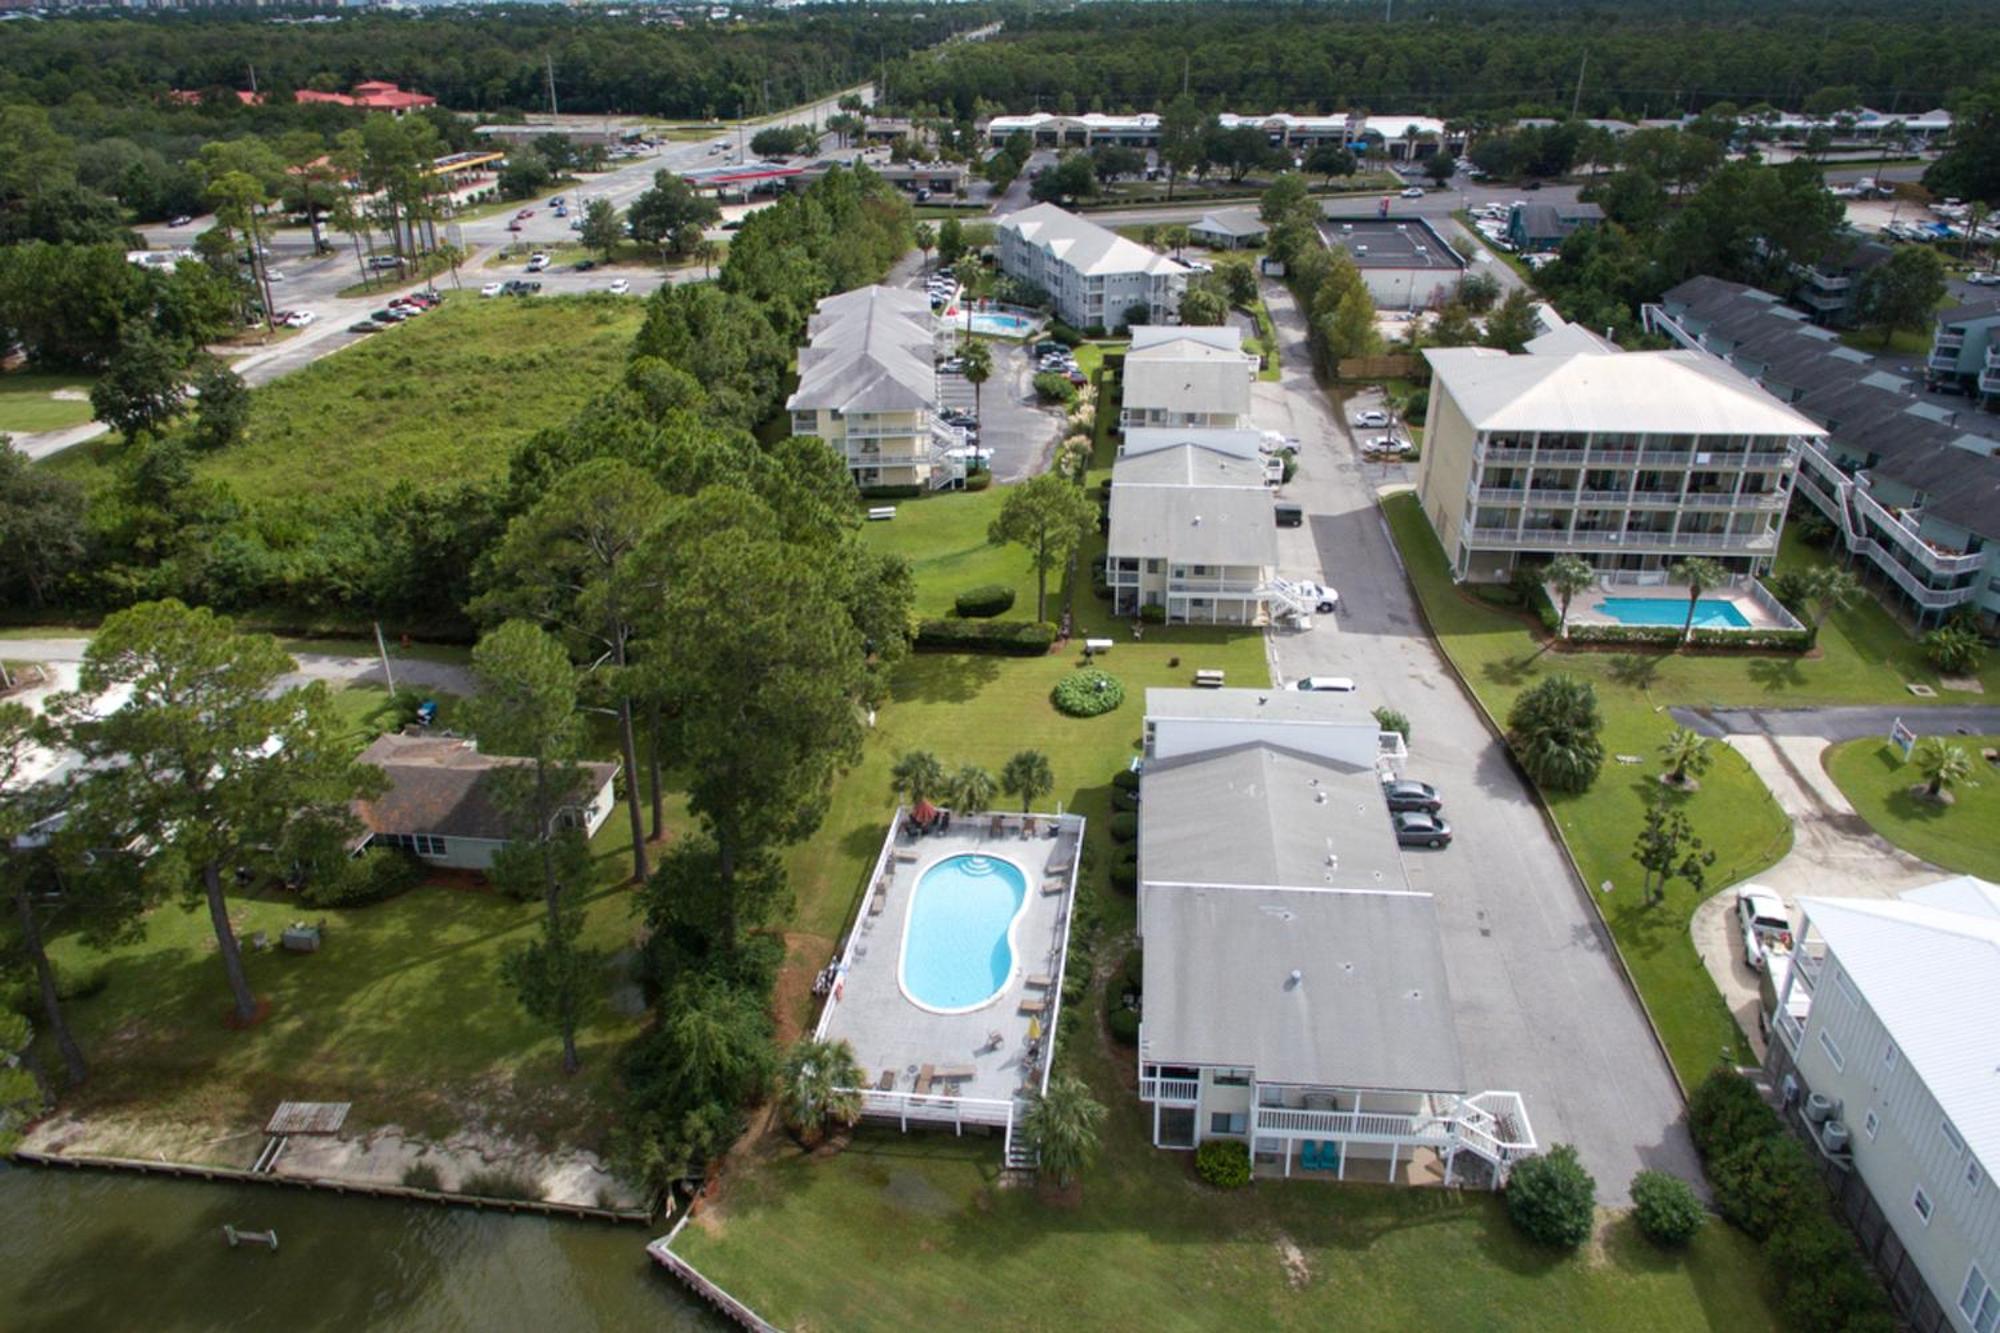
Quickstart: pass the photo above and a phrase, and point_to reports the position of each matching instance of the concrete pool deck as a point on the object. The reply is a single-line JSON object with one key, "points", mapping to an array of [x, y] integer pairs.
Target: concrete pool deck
{"points": [[890, 1032]]}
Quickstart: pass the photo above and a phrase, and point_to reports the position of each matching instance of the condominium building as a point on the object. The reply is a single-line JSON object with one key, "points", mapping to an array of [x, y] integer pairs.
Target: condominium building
{"points": [[1095, 276], [1887, 1064], [1193, 532], [1965, 351], [1830, 286], [868, 387], [1909, 480], [1632, 461], [1401, 137], [1187, 377], [1296, 994]]}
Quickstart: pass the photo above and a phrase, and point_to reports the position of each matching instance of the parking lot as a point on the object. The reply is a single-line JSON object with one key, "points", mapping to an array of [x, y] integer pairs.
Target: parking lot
{"points": [[1019, 431], [1542, 1006]]}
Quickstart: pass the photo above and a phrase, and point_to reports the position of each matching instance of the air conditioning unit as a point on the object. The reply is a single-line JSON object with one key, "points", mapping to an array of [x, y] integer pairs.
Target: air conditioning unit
{"points": [[1834, 1136], [1820, 1108]]}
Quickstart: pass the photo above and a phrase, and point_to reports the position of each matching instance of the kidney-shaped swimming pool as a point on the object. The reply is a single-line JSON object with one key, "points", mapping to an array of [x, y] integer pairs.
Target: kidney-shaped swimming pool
{"points": [[958, 941]]}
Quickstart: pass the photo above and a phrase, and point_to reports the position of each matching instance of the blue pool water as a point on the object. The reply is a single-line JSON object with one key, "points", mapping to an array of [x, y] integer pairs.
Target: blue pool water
{"points": [[995, 324], [1709, 612], [956, 954]]}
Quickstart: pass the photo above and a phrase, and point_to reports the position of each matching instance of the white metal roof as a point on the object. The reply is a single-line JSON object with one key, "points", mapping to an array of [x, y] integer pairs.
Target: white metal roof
{"points": [[1664, 393], [870, 352], [1189, 375], [1930, 974], [1193, 506], [1085, 246]]}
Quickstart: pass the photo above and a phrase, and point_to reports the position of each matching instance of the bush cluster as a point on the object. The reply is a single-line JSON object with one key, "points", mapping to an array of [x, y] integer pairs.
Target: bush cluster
{"points": [[985, 601], [1666, 1208], [378, 874], [501, 1183], [1053, 388], [1153, 613], [1124, 826], [1390, 720], [1087, 693], [1011, 638], [1125, 871], [978, 481], [24, 997], [1223, 1163], [1125, 780], [1764, 1184], [1552, 1198]]}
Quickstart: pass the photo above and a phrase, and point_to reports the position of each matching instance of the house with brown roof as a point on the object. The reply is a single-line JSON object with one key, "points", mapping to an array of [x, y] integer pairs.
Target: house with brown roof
{"points": [[439, 804]]}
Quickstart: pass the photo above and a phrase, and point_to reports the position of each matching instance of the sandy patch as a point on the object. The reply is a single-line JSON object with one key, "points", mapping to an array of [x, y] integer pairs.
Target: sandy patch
{"points": [[1292, 1259]]}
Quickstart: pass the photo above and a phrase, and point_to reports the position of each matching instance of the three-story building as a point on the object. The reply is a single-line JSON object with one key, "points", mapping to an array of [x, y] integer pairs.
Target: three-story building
{"points": [[868, 387], [1096, 277]]}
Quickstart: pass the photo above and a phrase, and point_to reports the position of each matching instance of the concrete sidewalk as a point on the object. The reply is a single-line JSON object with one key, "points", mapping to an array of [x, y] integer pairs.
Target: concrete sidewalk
{"points": [[1834, 855]]}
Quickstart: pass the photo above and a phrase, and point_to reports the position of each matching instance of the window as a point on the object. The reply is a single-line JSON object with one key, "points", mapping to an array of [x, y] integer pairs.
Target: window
{"points": [[1922, 1203], [1978, 1302], [1951, 1136], [1232, 1078], [1873, 1124], [1890, 1056], [1975, 1174], [1832, 1051], [1228, 1122]]}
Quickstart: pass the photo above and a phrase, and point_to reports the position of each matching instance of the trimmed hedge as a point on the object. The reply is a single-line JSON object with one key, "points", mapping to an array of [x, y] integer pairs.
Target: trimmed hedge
{"points": [[1765, 640], [1766, 1185], [1125, 826], [1124, 800], [985, 601], [978, 481], [1011, 638], [1223, 1163], [891, 492], [1087, 693], [1125, 780], [1125, 871], [1124, 1025], [1666, 1208]]}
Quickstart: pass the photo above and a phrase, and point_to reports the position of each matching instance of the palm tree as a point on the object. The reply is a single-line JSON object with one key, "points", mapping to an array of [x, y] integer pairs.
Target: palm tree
{"points": [[973, 789], [1028, 776], [917, 776], [1942, 765], [1176, 237], [1568, 575], [977, 367], [820, 1083], [1701, 575], [926, 239], [1553, 728], [1830, 588], [1687, 756], [1062, 1125]]}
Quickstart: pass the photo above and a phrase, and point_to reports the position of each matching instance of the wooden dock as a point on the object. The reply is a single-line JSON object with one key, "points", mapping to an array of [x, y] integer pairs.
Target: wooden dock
{"points": [[236, 1176]]}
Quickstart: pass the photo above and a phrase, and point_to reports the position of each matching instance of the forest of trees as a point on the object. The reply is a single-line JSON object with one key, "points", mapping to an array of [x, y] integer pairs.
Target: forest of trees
{"points": [[1456, 58], [490, 60]]}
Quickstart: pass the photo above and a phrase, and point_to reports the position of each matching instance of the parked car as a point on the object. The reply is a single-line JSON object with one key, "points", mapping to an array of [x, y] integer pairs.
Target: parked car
{"points": [[492, 289], [180, 221], [951, 365], [365, 326], [1325, 684], [1417, 828], [1408, 794], [620, 286], [1766, 927], [299, 319], [957, 416], [1323, 599], [1386, 446], [384, 261], [388, 315], [536, 263], [1371, 418], [1984, 279], [1414, 192], [514, 225], [585, 265]]}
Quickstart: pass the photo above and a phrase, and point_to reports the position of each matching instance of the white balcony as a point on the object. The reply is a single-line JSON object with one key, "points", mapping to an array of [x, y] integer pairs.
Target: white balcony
{"points": [[1170, 1091], [1545, 539], [1947, 340]]}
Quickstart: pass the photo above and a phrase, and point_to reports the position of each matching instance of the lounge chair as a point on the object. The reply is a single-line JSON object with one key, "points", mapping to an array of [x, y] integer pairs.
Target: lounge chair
{"points": [[1329, 1155], [924, 1077], [906, 855], [1309, 1156], [1060, 863], [1031, 1005], [1054, 884], [877, 903], [1027, 826], [997, 827], [886, 1083], [956, 1073], [1041, 981]]}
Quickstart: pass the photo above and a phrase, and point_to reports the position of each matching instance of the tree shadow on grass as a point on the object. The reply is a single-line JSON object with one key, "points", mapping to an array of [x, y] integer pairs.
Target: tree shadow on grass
{"points": [[1637, 671], [1510, 672], [1913, 807], [1774, 675], [943, 678]]}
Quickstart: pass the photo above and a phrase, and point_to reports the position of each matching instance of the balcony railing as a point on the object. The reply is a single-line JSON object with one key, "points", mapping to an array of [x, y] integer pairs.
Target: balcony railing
{"points": [[1223, 587], [1179, 1090], [1539, 539], [1945, 362], [1904, 534], [1376, 1125], [1993, 355], [1989, 381], [1945, 340]]}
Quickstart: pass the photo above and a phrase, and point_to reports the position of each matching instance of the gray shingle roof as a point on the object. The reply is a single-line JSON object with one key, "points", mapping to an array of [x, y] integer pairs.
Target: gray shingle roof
{"points": [[439, 785], [871, 351], [1194, 506], [1329, 989]]}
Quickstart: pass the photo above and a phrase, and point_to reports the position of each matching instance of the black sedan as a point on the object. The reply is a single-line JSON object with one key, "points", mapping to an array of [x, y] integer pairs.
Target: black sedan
{"points": [[1408, 795], [1414, 828]]}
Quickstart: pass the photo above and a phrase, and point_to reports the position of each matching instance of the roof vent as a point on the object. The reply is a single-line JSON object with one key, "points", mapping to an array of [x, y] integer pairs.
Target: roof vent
{"points": [[1197, 520], [1319, 798], [1295, 979]]}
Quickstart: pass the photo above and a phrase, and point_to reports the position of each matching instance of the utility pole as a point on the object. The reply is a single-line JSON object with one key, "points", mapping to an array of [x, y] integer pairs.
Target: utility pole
{"points": [[253, 80], [1388, 11], [383, 648], [1186, 61], [1577, 100], [552, 85]]}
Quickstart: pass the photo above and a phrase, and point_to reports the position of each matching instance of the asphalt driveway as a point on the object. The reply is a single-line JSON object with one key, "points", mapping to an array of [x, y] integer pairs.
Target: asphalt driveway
{"points": [[1543, 1008]]}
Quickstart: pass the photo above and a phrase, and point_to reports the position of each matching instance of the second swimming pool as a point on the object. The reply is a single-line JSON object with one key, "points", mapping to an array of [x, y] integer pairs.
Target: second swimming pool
{"points": [[1709, 612], [957, 945]]}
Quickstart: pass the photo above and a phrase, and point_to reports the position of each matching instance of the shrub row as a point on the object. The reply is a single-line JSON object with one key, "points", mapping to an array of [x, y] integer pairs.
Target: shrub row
{"points": [[1011, 638], [1766, 640], [978, 481], [985, 601], [1765, 1184], [891, 492], [1752, 640], [1124, 826], [1223, 1163]]}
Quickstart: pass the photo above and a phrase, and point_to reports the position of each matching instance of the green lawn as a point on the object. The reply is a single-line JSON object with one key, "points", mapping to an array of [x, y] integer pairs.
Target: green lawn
{"points": [[895, 1225], [28, 402], [1903, 342], [445, 397], [1963, 836], [1267, 342], [943, 535]]}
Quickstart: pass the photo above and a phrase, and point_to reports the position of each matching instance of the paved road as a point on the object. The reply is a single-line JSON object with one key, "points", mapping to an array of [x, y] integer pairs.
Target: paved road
{"points": [[1840, 724], [1542, 1007]]}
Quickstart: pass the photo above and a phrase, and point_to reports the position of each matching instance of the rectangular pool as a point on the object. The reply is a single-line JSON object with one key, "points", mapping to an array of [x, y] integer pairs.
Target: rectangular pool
{"points": [[1709, 612]]}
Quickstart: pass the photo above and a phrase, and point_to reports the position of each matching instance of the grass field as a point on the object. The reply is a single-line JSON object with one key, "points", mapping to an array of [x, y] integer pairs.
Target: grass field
{"points": [[1963, 836], [1902, 342], [444, 397], [894, 1224], [28, 402]]}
